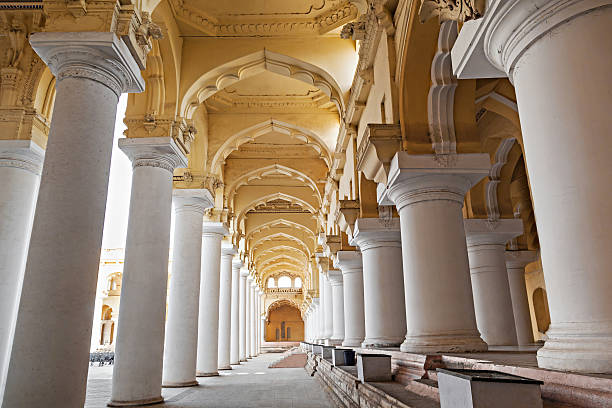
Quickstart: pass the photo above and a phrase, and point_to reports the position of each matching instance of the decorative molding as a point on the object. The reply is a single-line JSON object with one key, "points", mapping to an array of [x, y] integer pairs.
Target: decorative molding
{"points": [[22, 154], [161, 152], [451, 10], [441, 98], [313, 26], [378, 145], [501, 157], [198, 200]]}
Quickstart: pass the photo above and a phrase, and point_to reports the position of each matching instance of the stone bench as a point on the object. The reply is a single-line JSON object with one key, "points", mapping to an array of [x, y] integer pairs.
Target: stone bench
{"points": [[373, 367], [339, 357]]}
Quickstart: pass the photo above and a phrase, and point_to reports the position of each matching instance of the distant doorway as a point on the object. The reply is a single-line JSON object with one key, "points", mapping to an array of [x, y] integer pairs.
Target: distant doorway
{"points": [[284, 324]]}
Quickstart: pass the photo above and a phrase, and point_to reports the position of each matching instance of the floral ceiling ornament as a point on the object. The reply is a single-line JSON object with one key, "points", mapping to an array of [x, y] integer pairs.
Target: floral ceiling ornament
{"points": [[455, 10]]}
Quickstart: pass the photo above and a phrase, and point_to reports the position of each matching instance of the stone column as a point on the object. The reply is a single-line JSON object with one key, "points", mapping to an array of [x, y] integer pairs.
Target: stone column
{"points": [[20, 167], [567, 144], [328, 311], [316, 319], [248, 316], [486, 244], [429, 193], [181, 346], [253, 318], [515, 264], [258, 322], [349, 262], [208, 322], [225, 306], [322, 331], [335, 278], [235, 312], [137, 373], [242, 309], [92, 69], [380, 245]]}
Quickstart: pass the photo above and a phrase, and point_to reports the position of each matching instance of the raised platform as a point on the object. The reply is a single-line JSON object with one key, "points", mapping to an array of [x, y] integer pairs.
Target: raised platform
{"points": [[278, 346], [415, 378]]}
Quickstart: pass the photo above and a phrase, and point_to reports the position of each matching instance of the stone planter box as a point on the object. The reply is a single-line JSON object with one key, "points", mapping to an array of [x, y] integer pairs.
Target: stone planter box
{"points": [[484, 389], [373, 367]]}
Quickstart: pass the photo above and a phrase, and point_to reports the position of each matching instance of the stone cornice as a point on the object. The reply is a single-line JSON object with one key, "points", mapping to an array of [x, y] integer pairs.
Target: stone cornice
{"points": [[319, 25], [198, 200], [100, 57], [21, 154], [214, 228], [348, 261], [159, 152], [485, 232], [376, 232]]}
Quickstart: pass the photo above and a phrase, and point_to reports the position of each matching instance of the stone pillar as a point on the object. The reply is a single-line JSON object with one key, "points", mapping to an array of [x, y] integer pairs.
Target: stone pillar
{"points": [[248, 316], [242, 309], [316, 317], [258, 321], [92, 69], [137, 373], [20, 167], [380, 245], [225, 307], [208, 322], [567, 144], [253, 318], [429, 197], [322, 331], [335, 278], [235, 312], [349, 262], [486, 244], [515, 264], [181, 346], [328, 311]]}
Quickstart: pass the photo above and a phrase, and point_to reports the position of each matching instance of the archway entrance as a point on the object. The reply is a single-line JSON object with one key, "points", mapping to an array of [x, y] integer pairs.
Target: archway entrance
{"points": [[284, 323]]}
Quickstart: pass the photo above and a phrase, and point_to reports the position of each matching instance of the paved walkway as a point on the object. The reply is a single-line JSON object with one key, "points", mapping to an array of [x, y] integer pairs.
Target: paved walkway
{"points": [[250, 384]]}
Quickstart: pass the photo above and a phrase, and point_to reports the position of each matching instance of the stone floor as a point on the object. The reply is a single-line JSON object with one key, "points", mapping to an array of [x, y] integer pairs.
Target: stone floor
{"points": [[250, 384]]}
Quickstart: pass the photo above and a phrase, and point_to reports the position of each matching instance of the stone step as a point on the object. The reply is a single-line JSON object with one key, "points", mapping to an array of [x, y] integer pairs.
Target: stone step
{"points": [[424, 387]]}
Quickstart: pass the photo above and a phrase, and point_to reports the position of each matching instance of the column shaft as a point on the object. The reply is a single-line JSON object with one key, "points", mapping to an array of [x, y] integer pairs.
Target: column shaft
{"points": [[352, 275], [248, 316], [253, 327], [379, 241], [242, 315], [225, 307], [181, 345], [337, 287], [137, 373], [515, 264], [208, 324], [235, 312], [64, 249], [328, 310]]}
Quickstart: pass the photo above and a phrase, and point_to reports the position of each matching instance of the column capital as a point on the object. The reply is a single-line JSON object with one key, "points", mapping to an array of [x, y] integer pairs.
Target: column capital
{"points": [[419, 178], [244, 272], [376, 232], [237, 263], [159, 152], [228, 249], [348, 261], [486, 232], [214, 228], [22, 154], [98, 56], [192, 199], [490, 47], [520, 259], [335, 277]]}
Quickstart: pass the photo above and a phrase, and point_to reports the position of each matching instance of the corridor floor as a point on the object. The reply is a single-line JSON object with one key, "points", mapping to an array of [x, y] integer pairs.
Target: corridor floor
{"points": [[250, 384]]}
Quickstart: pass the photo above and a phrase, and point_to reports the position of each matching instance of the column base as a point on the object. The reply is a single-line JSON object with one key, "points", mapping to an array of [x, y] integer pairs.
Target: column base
{"points": [[575, 349], [352, 342], [148, 401], [444, 343], [335, 342], [225, 368], [382, 342], [201, 374], [180, 384]]}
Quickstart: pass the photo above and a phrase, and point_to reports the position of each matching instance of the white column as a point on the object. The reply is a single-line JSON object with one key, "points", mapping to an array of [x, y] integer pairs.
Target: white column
{"points": [[235, 312], [429, 194], [322, 330], [92, 69], [349, 262], [242, 309], [248, 316], [20, 167], [380, 244], [137, 373], [316, 316], [253, 327], [329, 309], [335, 279], [515, 264], [181, 346], [556, 55], [486, 245], [225, 306], [258, 322], [208, 322]]}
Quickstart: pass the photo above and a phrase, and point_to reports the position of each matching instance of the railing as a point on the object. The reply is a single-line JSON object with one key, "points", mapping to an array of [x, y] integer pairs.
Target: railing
{"points": [[284, 290]]}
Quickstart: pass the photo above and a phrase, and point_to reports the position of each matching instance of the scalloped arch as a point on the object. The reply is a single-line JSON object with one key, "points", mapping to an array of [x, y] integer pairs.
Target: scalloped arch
{"points": [[275, 196]]}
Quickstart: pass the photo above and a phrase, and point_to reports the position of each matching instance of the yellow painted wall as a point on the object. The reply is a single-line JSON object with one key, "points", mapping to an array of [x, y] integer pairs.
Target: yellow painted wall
{"points": [[293, 320]]}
